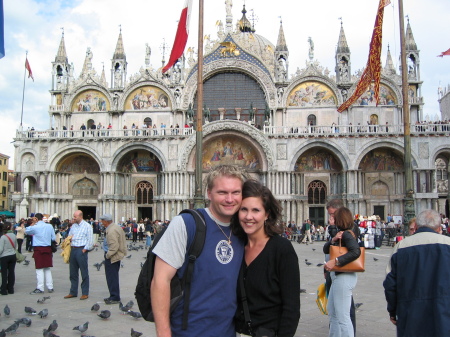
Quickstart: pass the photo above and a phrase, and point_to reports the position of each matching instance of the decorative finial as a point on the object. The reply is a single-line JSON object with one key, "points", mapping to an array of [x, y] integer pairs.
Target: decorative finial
{"points": [[281, 21], [62, 28], [407, 18], [120, 28], [341, 21]]}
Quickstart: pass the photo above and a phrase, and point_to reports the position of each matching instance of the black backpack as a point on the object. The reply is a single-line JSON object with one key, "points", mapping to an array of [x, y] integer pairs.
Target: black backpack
{"points": [[178, 287]]}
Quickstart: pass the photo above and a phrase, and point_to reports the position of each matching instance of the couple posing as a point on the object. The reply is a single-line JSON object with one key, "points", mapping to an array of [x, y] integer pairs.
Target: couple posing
{"points": [[241, 236]]}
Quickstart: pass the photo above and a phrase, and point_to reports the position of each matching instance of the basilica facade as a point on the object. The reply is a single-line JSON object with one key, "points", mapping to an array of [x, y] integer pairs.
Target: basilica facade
{"points": [[127, 146]]}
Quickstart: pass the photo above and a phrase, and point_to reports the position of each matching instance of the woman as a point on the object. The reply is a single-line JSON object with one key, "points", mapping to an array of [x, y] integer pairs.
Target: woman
{"points": [[8, 244], [270, 266], [20, 235], [340, 296]]}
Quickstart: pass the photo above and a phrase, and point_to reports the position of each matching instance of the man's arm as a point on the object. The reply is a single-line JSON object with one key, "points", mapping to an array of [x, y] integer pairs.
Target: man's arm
{"points": [[160, 296]]}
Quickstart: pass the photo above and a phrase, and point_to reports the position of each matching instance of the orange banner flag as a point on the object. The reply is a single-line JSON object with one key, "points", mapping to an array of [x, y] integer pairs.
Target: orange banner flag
{"points": [[373, 68]]}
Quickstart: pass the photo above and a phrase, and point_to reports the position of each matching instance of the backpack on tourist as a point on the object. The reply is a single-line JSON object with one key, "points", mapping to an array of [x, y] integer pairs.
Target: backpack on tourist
{"points": [[179, 287]]}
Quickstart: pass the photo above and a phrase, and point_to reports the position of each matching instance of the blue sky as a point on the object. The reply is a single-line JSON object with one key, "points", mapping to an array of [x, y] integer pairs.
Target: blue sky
{"points": [[35, 26]]}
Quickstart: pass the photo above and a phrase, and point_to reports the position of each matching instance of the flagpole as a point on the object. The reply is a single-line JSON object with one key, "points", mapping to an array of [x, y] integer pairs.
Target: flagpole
{"points": [[199, 201], [23, 92], [408, 201]]}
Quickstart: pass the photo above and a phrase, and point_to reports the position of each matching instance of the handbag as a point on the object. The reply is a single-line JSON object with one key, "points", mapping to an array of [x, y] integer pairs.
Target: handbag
{"points": [[19, 256], [54, 247], [322, 298], [351, 267]]}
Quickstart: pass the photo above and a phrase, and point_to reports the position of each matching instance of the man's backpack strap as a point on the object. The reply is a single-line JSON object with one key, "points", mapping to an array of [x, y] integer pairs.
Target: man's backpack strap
{"points": [[194, 252]]}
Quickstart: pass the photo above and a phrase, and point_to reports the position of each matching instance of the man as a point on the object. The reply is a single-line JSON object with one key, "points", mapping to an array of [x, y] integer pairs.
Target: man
{"points": [[115, 249], [213, 290], [307, 231], [416, 283], [81, 237], [43, 234], [332, 206]]}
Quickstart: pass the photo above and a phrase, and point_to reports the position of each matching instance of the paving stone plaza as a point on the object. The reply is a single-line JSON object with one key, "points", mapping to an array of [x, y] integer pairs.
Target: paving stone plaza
{"points": [[372, 317]]}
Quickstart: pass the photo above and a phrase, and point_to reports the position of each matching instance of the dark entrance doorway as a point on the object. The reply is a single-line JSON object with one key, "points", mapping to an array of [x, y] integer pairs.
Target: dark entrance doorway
{"points": [[145, 212], [379, 210], [88, 212], [317, 215]]}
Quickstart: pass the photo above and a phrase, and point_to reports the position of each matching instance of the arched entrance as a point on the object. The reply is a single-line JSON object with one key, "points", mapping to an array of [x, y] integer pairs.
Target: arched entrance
{"points": [[317, 196], [144, 200]]}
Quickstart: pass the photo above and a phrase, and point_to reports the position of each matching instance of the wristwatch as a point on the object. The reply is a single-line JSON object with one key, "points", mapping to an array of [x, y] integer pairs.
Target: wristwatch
{"points": [[337, 262]]}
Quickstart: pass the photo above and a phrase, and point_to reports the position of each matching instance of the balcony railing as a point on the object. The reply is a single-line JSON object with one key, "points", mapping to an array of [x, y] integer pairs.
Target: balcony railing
{"points": [[270, 131], [56, 108]]}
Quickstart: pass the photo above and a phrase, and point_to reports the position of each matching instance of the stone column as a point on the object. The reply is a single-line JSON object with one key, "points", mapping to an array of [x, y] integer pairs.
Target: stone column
{"points": [[238, 113], [221, 113]]}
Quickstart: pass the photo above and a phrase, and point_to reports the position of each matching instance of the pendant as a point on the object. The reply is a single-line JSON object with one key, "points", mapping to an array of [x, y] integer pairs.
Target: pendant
{"points": [[229, 242]]}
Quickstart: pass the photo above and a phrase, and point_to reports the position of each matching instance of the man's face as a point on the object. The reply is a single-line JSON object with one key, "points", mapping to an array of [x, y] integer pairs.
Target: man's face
{"points": [[105, 223], [77, 217], [225, 197], [412, 228], [331, 211]]}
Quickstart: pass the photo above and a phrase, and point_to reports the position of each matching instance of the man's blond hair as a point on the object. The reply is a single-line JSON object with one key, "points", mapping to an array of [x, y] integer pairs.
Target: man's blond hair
{"points": [[230, 171]]}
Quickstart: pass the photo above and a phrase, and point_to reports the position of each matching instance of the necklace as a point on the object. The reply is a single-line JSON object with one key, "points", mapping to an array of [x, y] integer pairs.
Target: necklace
{"points": [[228, 237]]}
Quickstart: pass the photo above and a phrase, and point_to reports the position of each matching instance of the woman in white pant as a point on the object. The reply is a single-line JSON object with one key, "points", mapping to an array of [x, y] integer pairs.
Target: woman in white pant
{"points": [[340, 297]]}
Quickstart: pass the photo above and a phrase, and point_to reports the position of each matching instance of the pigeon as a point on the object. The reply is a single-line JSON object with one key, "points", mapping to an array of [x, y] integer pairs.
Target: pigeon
{"points": [[314, 249], [135, 314], [104, 314], [82, 328], [47, 333], [30, 311], [129, 256], [319, 264], [95, 307], [135, 333], [43, 299], [3, 333], [302, 291], [98, 266], [130, 304], [306, 260], [123, 308], [25, 321], [357, 305], [53, 326], [121, 264], [308, 263], [43, 313], [6, 310], [375, 259], [12, 328], [26, 262]]}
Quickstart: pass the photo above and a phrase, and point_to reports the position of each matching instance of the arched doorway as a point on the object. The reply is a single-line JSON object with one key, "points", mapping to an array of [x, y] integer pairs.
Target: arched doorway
{"points": [[144, 199], [317, 196]]}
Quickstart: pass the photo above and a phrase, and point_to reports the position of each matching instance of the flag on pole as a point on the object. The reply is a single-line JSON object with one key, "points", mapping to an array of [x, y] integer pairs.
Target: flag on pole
{"points": [[447, 52], [373, 67], [2, 31], [181, 37], [27, 67]]}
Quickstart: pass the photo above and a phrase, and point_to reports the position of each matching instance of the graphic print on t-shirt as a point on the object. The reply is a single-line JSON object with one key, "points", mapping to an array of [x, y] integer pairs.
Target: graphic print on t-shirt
{"points": [[224, 252]]}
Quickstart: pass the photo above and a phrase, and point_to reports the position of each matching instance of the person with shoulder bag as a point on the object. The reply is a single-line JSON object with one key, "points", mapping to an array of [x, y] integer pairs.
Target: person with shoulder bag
{"points": [[8, 244], [340, 296]]}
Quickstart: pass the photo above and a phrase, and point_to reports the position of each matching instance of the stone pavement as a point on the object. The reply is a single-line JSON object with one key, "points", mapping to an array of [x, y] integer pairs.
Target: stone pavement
{"points": [[372, 317]]}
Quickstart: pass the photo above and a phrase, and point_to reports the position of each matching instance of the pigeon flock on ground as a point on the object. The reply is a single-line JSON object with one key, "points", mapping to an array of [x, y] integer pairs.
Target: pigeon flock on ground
{"points": [[52, 329]]}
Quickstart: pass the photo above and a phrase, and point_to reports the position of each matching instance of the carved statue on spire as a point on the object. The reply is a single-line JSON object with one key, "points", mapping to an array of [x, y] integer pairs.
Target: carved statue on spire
{"points": [[148, 52], [311, 49]]}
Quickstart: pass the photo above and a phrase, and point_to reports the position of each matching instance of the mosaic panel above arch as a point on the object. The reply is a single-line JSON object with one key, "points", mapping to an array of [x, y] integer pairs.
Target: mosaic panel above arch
{"points": [[387, 96], [311, 93], [381, 160], [90, 101], [139, 161], [78, 163], [317, 160], [232, 150], [147, 98]]}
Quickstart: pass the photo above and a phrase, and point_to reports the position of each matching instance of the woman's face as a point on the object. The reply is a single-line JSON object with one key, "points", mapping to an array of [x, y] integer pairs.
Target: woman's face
{"points": [[252, 215]]}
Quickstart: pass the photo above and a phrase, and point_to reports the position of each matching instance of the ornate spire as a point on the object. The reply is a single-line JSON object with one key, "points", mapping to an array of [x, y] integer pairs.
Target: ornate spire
{"points": [[410, 43], [281, 43], [244, 24], [342, 47], [61, 56], [389, 67], [119, 53], [103, 77]]}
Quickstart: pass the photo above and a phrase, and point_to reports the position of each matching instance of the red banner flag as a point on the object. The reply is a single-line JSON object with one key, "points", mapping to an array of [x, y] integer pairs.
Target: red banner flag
{"points": [[182, 35], [27, 67], [447, 52], [373, 68]]}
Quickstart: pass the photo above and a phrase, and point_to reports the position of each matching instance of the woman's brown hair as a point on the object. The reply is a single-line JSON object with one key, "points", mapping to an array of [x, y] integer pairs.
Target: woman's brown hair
{"points": [[343, 218]]}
